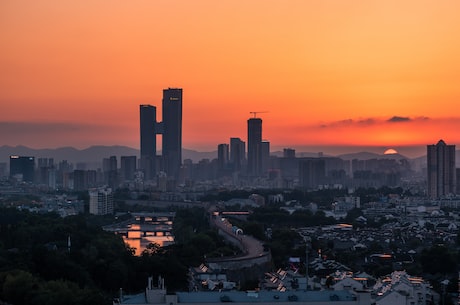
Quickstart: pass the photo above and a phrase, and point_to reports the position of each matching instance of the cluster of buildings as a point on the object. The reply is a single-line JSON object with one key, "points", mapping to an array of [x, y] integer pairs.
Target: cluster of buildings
{"points": [[239, 164], [283, 286]]}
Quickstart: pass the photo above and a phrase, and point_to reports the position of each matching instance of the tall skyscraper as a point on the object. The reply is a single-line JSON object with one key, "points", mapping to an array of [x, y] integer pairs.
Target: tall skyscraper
{"points": [[148, 117], [254, 146], [237, 153], [441, 170], [172, 130], [222, 156]]}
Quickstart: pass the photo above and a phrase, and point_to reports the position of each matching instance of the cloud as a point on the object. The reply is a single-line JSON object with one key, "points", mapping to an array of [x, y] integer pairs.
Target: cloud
{"points": [[397, 119], [349, 122], [371, 121]]}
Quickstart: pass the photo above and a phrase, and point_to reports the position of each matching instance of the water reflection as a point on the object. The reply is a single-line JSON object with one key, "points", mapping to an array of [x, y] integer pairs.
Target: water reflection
{"points": [[145, 228], [139, 239]]}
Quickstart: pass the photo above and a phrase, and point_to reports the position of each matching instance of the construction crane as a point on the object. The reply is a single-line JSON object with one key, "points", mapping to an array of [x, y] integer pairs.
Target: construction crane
{"points": [[256, 112]]}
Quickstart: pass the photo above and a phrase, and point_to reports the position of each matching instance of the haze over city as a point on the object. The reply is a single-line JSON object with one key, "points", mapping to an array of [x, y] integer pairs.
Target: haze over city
{"points": [[333, 73]]}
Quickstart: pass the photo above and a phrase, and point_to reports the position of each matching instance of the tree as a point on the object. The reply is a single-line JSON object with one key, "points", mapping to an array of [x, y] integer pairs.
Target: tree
{"points": [[438, 259], [19, 287]]}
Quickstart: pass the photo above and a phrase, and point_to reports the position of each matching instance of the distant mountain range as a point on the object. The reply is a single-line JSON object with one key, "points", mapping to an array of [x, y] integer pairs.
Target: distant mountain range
{"points": [[93, 154], [97, 153]]}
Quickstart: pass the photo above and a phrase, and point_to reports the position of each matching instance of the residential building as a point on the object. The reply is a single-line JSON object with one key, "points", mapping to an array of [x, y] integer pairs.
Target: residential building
{"points": [[312, 172], [441, 175], [22, 168], [128, 167], [237, 153], [222, 156], [101, 201]]}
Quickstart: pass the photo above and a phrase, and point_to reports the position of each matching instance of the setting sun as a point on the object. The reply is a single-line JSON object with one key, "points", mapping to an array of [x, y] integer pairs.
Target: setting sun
{"points": [[390, 151]]}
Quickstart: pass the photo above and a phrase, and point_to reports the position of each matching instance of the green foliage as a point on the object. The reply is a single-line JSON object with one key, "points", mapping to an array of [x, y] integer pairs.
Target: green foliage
{"points": [[282, 245], [254, 229], [438, 259], [21, 287], [189, 222], [36, 266]]}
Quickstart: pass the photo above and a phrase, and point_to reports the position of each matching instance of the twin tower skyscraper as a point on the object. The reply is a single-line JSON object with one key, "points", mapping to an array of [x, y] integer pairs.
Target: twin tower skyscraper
{"points": [[171, 130]]}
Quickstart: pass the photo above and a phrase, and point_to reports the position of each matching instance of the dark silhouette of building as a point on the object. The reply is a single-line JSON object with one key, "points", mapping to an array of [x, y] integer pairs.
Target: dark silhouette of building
{"points": [[148, 114], [46, 172], [441, 170], [265, 156], [128, 167], [237, 153], [22, 168], [312, 172], [288, 153], [254, 147], [80, 180], [110, 169], [3, 169], [222, 156], [172, 130]]}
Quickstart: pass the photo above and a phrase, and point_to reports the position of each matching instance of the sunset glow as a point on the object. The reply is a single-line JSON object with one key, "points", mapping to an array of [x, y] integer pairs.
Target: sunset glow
{"points": [[373, 73]]}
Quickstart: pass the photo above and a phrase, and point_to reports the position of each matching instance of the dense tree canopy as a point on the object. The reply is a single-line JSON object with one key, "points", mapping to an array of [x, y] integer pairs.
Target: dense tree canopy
{"points": [[38, 267]]}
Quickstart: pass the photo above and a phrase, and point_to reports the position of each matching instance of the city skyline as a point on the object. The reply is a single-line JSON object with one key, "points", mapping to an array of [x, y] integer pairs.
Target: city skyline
{"points": [[326, 74]]}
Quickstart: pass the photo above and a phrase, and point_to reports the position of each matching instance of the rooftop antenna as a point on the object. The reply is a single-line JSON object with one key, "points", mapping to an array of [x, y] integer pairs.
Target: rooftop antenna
{"points": [[256, 112]]}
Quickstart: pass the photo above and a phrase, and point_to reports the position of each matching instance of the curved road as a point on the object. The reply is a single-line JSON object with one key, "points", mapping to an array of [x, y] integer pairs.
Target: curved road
{"points": [[252, 247]]}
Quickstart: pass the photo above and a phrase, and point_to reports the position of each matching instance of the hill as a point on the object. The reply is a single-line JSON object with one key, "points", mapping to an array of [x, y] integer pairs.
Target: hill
{"points": [[93, 154]]}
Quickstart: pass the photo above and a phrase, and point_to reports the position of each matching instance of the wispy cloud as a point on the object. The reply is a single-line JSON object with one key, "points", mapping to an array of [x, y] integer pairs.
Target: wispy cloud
{"points": [[395, 130], [397, 119], [360, 122]]}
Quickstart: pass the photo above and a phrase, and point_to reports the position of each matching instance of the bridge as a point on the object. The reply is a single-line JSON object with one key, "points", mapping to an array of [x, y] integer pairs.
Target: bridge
{"points": [[144, 225]]}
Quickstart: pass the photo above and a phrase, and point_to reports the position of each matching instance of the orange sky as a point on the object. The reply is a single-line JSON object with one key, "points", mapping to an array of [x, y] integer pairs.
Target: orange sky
{"points": [[361, 72]]}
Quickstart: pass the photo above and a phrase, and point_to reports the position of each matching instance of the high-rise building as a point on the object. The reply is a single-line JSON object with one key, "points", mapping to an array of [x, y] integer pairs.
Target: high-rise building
{"points": [[128, 167], [80, 180], [441, 170], [110, 168], [3, 169], [22, 168], [222, 156], [101, 201], [172, 130], [254, 146], [237, 153], [265, 156], [148, 117], [312, 172], [45, 166]]}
